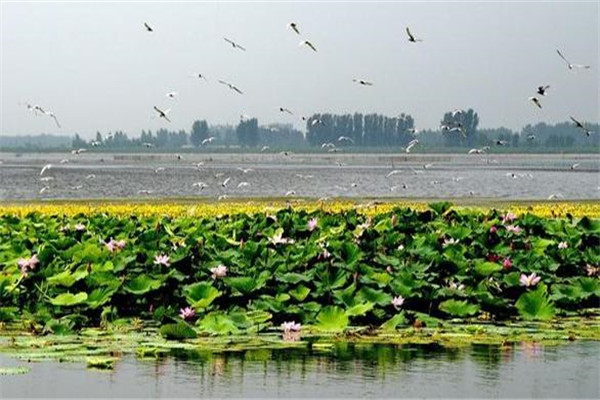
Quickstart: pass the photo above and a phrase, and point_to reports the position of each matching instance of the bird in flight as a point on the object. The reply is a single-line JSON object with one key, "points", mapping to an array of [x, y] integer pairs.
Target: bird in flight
{"points": [[345, 139], [172, 95], [231, 86], [307, 44], [53, 116], [411, 37], [293, 26], [569, 65], [581, 126], [45, 168], [541, 90], [148, 27], [501, 142], [162, 114], [411, 144], [208, 140], [530, 138], [362, 82], [234, 44], [285, 110], [535, 101]]}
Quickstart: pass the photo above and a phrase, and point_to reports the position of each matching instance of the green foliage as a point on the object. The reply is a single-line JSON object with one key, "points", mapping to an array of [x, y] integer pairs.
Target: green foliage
{"points": [[142, 284], [535, 305], [459, 308], [201, 295], [177, 331], [332, 319], [69, 299]]}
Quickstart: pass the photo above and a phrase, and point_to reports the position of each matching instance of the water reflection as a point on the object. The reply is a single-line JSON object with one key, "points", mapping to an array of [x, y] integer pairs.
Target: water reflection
{"points": [[341, 370]]}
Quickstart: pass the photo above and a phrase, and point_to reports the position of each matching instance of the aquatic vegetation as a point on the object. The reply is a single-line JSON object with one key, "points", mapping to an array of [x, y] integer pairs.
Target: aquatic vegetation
{"points": [[100, 362], [251, 271], [14, 370]]}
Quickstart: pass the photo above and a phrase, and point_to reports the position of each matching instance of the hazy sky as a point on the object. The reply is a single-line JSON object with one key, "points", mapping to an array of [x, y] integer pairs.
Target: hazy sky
{"points": [[97, 68]]}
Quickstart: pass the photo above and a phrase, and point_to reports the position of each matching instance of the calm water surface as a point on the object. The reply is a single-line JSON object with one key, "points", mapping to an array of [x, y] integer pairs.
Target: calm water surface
{"points": [[90, 175], [374, 371]]}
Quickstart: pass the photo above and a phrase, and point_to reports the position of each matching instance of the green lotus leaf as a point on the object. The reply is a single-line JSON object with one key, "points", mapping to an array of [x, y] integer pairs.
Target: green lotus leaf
{"points": [[14, 370], [100, 296], [67, 278], [217, 323], [300, 292], [458, 308], [440, 208], [177, 331], [200, 295], [243, 284], [359, 309], [376, 296], [535, 305], [487, 268], [69, 299], [142, 284], [392, 323], [332, 319], [292, 277]]}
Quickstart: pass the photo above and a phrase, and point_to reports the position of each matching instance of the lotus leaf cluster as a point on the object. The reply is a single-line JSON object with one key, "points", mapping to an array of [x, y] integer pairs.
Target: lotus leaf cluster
{"points": [[326, 270]]}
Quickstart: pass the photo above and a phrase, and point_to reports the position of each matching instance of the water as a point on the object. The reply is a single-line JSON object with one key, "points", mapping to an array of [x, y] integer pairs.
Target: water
{"points": [[104, 175], [526, 370]]}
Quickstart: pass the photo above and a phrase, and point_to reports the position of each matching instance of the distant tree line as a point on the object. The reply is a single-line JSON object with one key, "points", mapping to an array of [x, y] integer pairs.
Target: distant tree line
{"points": [[458, 129]]}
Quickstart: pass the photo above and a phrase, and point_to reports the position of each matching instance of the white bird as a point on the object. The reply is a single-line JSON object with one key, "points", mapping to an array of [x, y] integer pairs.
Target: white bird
{"points": [[574, 166], [148, 27], [427, 166], [457, 112], [222, 197], [334, 150], [581, 126], [78, 151], [530, 138], [172, 95], [290, 193], [285, 110], [199, 76], [535, 101], [162, 114], [90, 176], [293, 26], [159, 169], [555, 196], [345, 139], [45, 168], [541, 90], [476, 151], [144, 191], [243, 184], [307, 44], [234, 44], [245, 170], [148, 145], [198, 165], [394, 172], [231, 86], [200, 185], [53, 116], [412, 144], [42, 190], [317, 121], [208, 140], [264, 148], [305, 177], [64, 161], [501, 142], [95, 143], [569, 65], [226, 181], [362, 82], [394, 188], [77, 187], [411, 37], [47, 179], [327, 145]]}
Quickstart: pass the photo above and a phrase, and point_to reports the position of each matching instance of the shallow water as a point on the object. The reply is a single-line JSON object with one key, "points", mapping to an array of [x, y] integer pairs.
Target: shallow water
{"points": [[526, 370], [104, 175]]}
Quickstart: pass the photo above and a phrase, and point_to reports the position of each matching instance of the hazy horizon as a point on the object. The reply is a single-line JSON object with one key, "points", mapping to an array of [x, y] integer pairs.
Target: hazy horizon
{"points": [[96, 67]]}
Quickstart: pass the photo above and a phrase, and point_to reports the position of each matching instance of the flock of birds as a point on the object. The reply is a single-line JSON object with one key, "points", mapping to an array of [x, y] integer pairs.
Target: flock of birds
{"points": [[332, 147]]}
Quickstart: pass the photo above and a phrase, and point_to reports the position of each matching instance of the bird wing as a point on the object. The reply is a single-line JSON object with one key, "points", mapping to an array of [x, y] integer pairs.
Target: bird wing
{"points": [[229, 41], [236, 89], [55, 120], [224, 83], [563, 57], [411, 37], [240, 47], [575, 121]]}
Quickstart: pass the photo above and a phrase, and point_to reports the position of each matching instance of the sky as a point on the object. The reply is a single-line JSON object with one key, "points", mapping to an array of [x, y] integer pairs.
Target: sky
{"points": [[97, 68]]}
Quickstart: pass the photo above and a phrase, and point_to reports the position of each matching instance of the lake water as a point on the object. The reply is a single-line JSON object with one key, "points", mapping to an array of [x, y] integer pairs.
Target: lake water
{"points": [[104, 175], [526, 370]]}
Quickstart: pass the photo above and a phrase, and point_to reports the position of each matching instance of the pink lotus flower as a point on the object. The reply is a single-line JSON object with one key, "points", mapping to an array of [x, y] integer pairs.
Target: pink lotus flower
{"points": [[397, 301], [530, 280], [291, 331], [563, 245], [493, 229], [26, 264], [591, 270], [514, 229], [187, 313], [507, 263], [219, 271], [291, 326], [161, 260], [508, 217], [80, 227], [312, 224], [111, 245]]}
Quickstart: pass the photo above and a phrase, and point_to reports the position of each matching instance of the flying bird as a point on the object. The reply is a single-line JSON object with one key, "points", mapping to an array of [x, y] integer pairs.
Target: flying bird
{"points": [[362, 82], [345, 139], [53, 116], [45, 168], [569, 65], [231, 86], [307, 44], [226, 181], [411, 38], [541, 90], [581, 126], [535, 101], [530, 138], [411, 144], [234, 44], [208, 140], [148, 27], [501, 142], [162, 114], [172, 95], [159, 169], [245, 170], [285, 110], [294, 26], [264, 148], [78, 151], [243, 184], [575, 166]]}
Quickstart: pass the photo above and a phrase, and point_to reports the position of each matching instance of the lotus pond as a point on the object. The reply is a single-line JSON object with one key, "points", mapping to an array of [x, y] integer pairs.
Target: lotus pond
{"points": [[99, 288]]}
